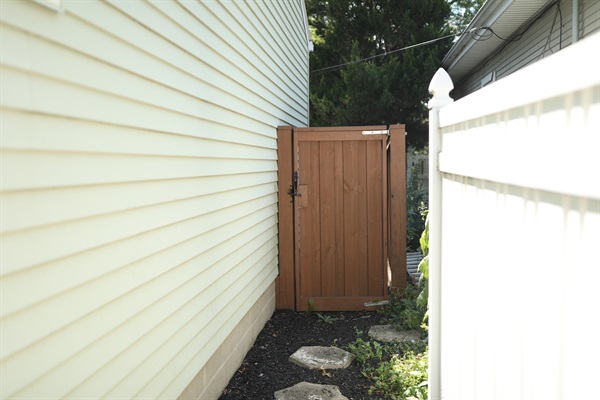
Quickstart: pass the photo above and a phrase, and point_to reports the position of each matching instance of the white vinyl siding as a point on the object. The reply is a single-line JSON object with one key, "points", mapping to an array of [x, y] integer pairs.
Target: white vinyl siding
{"points": [[589, 17], [534, 45], [139, 186]]}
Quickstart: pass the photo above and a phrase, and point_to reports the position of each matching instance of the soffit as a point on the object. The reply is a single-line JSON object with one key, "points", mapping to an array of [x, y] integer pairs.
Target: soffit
{"points": [[505, 17]]}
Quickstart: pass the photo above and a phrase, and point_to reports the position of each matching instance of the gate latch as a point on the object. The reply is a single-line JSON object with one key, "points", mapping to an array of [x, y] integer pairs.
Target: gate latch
{"points": [[380, 132], [294, 187]]}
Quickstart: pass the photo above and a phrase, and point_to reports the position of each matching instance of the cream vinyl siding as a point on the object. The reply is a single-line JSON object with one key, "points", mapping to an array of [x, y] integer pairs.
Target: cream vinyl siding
{"points": [[541, 40], [139, 186]]}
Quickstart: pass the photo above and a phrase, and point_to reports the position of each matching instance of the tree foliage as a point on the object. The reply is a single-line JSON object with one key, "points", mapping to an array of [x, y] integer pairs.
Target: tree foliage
{"points": [[390, 87], [386, 89], [462, 12]]}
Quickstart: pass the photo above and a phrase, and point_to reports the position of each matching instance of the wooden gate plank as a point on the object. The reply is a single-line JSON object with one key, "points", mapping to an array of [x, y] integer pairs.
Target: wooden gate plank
{"points": [[351, 287], [315, 220], [327, 205], [308, 244], [340, 274], [375, 218], [363, 233]]}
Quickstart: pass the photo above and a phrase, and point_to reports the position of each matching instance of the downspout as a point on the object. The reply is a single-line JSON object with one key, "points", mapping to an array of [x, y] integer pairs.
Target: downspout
{"points": [[575, 22], [440, 87]]}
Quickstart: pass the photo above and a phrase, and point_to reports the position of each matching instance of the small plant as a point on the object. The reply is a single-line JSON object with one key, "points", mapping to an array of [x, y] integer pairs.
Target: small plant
{"points": [[404, 310], [403, 377], [311, 307], [423, 298], [364, 351], [328, 319], [398, 370]]}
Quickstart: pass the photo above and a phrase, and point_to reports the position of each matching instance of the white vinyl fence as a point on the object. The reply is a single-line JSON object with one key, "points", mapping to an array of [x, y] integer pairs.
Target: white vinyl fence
{"points": [[515, 233]]}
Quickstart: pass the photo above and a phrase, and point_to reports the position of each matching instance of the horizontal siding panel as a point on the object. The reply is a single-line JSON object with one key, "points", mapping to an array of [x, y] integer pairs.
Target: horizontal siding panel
{"points": [[37, 208], [206, 329], [149, 363], [187, 38], [231, 33], [590, 18], [82, 103], [293, 19], [236, 310], [139, 218], [237, 50], [132, 48], [45, 170], [107, 288], [230, 59], [116, 327], [275, 37], [43, 132], [199, 233], [73, 237]]}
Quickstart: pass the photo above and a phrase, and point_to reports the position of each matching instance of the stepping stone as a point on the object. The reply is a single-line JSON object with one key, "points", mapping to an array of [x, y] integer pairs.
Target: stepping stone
{"points": [[317, 357], [387, 333], [310, 391]]}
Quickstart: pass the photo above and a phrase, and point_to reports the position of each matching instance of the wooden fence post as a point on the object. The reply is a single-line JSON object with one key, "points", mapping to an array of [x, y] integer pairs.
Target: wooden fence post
{"points": [[397, 241], [285, 284]]}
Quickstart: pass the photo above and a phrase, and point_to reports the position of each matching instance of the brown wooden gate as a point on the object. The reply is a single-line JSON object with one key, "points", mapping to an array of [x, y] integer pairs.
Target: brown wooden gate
{"points": [[336, 202]]}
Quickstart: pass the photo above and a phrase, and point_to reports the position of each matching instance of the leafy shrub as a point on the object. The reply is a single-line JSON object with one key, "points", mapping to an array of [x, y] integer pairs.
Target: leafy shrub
{"points": [[398, 370], [404, 310], [403, 377], [366, 353]]}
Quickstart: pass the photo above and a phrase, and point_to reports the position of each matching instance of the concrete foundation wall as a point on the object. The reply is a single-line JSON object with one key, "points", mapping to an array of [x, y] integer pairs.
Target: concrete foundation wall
{"points": [[216, 373]]}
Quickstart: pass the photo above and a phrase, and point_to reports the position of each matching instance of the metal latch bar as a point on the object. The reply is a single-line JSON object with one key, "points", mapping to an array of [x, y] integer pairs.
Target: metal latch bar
{"points": [[381, 132]]}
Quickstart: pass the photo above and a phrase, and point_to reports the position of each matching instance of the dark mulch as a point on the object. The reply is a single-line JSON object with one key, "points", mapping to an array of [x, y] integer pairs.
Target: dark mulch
{"points": [[266, 368]]}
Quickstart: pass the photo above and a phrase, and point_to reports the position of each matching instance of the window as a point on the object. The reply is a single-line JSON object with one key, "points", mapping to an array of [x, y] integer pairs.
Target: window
{"points": [[489, 78]]}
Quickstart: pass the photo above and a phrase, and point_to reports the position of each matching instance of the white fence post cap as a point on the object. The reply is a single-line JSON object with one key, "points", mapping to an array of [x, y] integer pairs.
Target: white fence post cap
{"points": [[440, 86]]}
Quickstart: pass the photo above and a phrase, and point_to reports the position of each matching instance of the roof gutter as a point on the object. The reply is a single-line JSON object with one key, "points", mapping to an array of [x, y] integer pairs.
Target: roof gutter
{"points": [[507, 20], [486, 16]]}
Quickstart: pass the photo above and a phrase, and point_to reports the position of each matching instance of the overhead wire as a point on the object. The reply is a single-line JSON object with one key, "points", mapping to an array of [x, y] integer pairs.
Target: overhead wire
{"points": [[338, 66], [517, 36], [473, 31], [487, 34]]}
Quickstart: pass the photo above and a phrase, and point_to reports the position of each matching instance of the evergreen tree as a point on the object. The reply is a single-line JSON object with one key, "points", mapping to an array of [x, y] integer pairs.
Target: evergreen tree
{"points": [[387, 88]]}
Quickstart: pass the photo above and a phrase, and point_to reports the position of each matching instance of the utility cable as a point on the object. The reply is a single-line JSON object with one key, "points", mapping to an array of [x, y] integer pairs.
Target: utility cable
{"points": [[333, 67], [487, 34]]}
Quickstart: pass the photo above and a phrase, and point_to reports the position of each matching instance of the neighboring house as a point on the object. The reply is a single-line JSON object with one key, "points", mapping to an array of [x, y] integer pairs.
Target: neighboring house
{"points": [[139, 190], [521, 32], [515, 205]]}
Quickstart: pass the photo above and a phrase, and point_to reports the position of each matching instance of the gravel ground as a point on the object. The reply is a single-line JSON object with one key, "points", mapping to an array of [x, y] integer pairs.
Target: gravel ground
{"points": [[266, 368]]}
